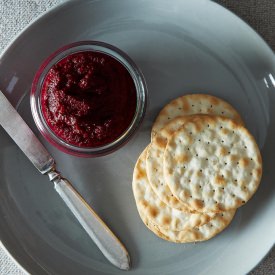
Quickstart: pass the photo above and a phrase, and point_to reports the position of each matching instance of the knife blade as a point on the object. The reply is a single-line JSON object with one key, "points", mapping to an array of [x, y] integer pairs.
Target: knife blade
{"points": [[23, 136]]}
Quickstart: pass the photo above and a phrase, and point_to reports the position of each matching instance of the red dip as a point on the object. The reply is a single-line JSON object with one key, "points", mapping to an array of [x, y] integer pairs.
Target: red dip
{"points": [[88, 99]]}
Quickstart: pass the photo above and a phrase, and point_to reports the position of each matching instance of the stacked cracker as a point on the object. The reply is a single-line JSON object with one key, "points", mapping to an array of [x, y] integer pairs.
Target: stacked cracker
{"points": [[201, 165]]}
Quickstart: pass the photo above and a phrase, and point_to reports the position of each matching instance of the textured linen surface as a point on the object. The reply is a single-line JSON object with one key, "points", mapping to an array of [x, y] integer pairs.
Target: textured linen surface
{"points": [[16, 14]]}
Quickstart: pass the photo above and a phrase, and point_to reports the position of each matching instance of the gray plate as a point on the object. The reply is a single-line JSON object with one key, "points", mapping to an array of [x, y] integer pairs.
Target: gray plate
{"points": [[182, 46]]}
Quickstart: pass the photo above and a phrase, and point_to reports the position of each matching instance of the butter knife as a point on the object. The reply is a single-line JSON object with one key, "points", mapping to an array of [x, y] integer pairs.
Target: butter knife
{"points": [[23, 136]]}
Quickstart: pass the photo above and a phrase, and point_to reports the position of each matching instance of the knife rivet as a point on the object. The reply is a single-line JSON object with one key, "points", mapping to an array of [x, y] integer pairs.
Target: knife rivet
{"points": [[53, 175]]}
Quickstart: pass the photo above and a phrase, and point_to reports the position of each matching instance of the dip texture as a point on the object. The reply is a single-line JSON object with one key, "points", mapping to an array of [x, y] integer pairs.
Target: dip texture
{"points": [[88, 99]]}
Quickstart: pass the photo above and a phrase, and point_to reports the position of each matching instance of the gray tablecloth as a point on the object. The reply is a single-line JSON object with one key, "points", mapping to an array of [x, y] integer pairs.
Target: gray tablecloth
{"points": [[16, 14]]}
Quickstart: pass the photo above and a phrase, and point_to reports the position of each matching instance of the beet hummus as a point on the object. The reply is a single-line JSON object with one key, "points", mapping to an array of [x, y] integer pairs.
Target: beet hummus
{"points": [[88, 99]]}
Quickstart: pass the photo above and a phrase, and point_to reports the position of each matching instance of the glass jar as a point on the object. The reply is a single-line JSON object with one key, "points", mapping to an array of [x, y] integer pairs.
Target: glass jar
{"points": [[87, 47]]}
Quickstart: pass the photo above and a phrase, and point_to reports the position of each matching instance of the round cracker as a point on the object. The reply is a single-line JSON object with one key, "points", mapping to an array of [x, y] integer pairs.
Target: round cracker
{"points": [[154, 209], [197, 234], [194, 104], [154, 163], [152, 227], [212, 164]]}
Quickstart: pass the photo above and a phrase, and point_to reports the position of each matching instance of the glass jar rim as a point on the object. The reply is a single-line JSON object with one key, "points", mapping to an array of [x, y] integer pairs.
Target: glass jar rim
{"points": [[85, 46]]}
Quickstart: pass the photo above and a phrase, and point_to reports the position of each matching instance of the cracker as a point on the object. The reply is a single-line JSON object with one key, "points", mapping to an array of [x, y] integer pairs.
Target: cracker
{"points": [[212, 164], [197, 234], [194, 104], [157, 211], [152, 227], [154, 163]]}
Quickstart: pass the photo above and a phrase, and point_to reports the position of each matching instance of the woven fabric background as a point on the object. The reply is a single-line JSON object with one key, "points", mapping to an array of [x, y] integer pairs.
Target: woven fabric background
{"points": [[16, 14]]}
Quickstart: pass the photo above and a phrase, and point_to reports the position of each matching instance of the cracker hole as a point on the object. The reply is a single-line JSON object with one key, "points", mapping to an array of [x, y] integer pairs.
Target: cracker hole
{"points": [[222, 141], [208, 125], [245, 147], [190, 133], [188, 148], [168, 118], [250, 173], [189, 180], [192, 105], [180, 108], [200, 186], [225, 163], [229, 152], [221, 127], [243, 201], [238, 163], [233, 195], [184, 167], [235, 180], [201, 170], [251, 159], [214, 190], [222, 112], [211, 225], [211, 106], [206, 159], [199, 140], [197, 155], [208, 142]]}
